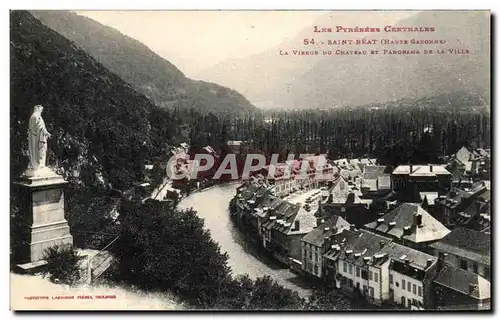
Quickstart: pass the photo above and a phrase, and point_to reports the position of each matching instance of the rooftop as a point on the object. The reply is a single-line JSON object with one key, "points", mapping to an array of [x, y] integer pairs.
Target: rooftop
{"points": [[464, 282], [328, 228], [467, 243], [410, 222], [422, 170], [362, 247]]}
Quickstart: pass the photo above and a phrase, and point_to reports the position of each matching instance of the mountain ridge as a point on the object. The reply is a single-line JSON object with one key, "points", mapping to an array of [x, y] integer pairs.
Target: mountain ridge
{"points": [[323, 82], [142, 68]]}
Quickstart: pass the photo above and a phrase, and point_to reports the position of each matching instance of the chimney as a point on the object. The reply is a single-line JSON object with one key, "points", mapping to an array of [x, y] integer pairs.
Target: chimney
{"points": [[441, 260], [417, 219], [406, 230], [392, 224], [350, 198], [296, 227], [351, 227], [429, 263], [379, 221], [382, 244]]}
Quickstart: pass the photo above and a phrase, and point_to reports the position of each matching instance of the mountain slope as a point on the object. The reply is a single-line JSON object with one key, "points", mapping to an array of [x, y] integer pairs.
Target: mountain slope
{"points": [[327, 81], [99, 124], [146, 71]]}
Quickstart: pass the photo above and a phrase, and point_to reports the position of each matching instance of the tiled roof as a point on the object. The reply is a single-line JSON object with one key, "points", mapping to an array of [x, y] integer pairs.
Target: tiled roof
{"points": [[422, 170], [460, 280], [470, 244], [284, 215], [413, 258], [362, 247], [464, 156], [317, 236], [355, 246], [306, 219], [404, 217], [340, 190]]}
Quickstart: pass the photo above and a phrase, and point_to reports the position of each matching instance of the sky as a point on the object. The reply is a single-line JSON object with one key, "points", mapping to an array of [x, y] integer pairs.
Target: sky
{"points": [[196, 40]]}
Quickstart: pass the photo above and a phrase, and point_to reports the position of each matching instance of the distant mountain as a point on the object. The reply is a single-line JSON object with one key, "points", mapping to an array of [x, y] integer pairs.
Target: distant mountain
{"points": [[270, 80], [100, 126], [146, 71]]}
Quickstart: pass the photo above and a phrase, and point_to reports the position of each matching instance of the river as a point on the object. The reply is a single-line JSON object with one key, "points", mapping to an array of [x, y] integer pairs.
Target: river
{"points": [[212, 206]]}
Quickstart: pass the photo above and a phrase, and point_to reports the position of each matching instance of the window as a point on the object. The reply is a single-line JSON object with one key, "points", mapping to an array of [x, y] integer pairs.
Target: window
{"points": [[357, 285], [371, 275], [316, 256], [474, 266], [364, 274], [357, 272], [345, 267], [397, 284], [463, 264], [403, 284], [316, 269], [414, 289], [403, 301], [349, 282], [350, 268], [390, 279], [365, 289], [376, 276], [408, 286], [371, 291], [420, 291]]}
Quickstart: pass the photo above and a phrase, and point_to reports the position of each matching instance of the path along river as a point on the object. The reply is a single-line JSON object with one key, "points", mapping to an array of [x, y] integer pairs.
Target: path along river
{"points": [[212, 206]]}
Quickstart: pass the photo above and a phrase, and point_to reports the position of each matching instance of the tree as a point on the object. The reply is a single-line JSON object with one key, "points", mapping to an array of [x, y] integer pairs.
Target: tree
{"points": [[161, 247]]}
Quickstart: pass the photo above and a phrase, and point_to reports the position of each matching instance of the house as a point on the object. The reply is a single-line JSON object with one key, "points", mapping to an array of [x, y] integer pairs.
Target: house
{"points": [[458, 289], [448, 206], [410, 276], [360, 163], [315, 244], [464, 159], [375, 182], [342, 200], [351, 264], [286, 226], [471, 162], [428, 177], [362, 263], [466, 249], [477, 216], [410, 225]]}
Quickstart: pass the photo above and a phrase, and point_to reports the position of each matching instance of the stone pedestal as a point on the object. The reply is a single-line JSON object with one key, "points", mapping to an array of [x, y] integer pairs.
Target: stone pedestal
{"points": [[42, 209]]}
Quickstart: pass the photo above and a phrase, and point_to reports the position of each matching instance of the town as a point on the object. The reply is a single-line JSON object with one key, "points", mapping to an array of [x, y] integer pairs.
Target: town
{"points": [[416, 237]]}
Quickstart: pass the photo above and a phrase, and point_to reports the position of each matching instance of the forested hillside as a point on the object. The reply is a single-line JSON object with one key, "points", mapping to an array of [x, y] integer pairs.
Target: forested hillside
{"points": [[146, 71], [99, 123]]}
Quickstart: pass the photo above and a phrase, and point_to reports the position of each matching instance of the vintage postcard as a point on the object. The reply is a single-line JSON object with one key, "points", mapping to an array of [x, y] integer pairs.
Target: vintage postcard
{"points": [[250, 160]]}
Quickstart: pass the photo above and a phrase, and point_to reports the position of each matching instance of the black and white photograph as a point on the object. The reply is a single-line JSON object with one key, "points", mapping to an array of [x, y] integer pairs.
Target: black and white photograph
{"points": [[250, 160]]}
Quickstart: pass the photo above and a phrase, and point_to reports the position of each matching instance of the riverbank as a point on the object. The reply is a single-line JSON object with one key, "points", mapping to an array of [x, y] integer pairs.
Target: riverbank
{"points": [[244, 258]]}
